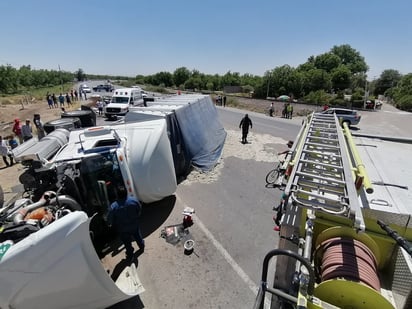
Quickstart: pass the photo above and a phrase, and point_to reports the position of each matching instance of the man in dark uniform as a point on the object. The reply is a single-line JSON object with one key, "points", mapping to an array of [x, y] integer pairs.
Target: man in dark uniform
{"points": [[244, 124], [124, 216]]}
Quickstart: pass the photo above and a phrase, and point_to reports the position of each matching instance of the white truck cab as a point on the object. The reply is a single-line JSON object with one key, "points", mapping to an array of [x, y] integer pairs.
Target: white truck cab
{"points": [[121, 100]]}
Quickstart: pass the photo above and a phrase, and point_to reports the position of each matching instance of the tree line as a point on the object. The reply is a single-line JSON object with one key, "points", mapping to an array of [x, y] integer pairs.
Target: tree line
{"points": [[322, 79]]}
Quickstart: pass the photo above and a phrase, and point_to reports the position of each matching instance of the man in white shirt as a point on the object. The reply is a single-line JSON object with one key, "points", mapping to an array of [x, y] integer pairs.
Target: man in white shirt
{"points": [[5, 152]]}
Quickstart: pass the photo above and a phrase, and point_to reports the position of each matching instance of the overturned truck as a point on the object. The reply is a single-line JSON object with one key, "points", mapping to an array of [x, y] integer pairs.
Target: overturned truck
{"points": [[48, 255]]}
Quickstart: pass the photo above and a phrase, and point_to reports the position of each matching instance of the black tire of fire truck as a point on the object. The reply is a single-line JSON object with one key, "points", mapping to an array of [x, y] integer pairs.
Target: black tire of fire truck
{"points": [[1, 196], [65, 123], [87, 117]]}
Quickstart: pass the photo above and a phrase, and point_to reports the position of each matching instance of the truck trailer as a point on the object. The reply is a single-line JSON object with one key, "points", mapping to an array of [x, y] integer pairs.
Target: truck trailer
{"points": [[49, 239]]}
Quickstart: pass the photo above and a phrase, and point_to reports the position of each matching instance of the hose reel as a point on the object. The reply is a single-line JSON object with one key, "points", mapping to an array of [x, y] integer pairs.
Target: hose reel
{"points": [[347, 266]]}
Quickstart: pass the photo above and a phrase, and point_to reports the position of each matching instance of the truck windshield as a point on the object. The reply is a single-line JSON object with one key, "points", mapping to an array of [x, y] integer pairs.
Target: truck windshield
{"points": [[101, 176], [122, 100]]}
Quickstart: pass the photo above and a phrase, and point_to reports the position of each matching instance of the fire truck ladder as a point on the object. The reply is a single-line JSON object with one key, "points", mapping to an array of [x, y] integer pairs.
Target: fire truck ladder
{"points": [[322, 177]]}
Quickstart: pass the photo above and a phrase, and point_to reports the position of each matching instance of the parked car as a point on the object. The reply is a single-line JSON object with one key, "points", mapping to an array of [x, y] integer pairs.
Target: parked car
{"points": [[85, 88], [351, 117], [107, 87]]}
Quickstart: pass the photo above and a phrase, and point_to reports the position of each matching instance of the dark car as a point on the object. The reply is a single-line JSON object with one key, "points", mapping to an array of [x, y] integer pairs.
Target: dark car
{"points": [[351, 117], [106, 87]]}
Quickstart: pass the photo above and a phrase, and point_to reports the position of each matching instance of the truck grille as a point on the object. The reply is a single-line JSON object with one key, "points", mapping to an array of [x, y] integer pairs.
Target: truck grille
{"points": [[113, 110]]}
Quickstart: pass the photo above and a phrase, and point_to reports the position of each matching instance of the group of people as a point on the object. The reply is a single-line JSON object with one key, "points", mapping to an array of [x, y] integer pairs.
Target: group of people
{"points": [[25, 132], [54, 101], [287, 111], [221, 101], [21, 134]]}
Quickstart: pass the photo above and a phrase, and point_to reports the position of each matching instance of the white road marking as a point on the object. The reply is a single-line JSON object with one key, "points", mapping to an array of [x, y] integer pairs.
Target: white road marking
{"points": [[236, 267]]}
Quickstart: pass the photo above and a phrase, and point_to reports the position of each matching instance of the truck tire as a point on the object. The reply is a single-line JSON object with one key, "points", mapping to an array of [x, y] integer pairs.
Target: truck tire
{"points": [[85, 116], [1, 196], [65, 123]]}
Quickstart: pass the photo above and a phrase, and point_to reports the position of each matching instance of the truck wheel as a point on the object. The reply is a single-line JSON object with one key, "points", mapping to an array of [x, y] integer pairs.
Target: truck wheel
{"points": [[85, 116], [1, 196], [65, 123]]}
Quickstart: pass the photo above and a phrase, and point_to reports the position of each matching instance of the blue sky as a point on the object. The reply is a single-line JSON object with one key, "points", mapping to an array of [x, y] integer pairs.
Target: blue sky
{"points": [[130, 37]]}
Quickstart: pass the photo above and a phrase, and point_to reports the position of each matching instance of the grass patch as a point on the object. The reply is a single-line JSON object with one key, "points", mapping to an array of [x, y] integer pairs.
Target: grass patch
{"points": [[32, 95]]}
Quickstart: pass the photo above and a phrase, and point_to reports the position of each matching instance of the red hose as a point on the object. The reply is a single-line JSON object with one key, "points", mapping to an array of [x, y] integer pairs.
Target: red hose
{"points": [[349, 259]]}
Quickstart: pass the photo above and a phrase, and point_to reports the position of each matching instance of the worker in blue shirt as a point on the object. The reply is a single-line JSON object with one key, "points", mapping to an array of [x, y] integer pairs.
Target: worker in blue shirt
{"points": [[124, 216]]}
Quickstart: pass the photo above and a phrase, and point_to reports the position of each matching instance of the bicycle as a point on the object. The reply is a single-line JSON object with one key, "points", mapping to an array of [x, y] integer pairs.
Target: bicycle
{"points": [[274, 174]]}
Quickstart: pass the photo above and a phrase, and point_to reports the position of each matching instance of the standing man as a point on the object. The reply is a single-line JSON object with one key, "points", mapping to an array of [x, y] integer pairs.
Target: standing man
{"points": [[26, 131], [68, 100], [99, 105], [17, 130], [54, 98], [5, 152], [224, 101], [61, 100], [49, 100], [271, 109], [290, 111], [124, 216], [39, 126], [244, 124]]}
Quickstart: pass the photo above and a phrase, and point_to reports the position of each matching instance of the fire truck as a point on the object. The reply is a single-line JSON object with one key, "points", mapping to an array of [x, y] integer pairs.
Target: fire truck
{"points": [[346, 225]]}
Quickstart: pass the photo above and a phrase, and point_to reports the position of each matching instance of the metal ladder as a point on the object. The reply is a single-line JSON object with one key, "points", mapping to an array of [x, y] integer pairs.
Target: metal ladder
{"points": [[322, 177]]}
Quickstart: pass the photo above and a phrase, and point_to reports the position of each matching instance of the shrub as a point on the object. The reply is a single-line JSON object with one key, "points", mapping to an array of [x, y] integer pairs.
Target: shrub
{"points": [[405, 103]]}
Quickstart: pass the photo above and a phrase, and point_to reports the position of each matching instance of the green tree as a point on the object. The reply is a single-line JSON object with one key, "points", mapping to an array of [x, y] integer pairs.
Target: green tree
{"points": [[319, 97], [8, 79], [316, 79], [351, 58], [341, 77], [180, 76], [165, 78], [402, 93], [139, 79], [249, 79], [80, 75], [193, 83], [388, 79], [358, 80], [231, 79], [25, 76], [327, 62]]}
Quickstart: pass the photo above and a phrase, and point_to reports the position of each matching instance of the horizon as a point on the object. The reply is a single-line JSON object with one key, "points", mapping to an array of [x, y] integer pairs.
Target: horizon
{"points": [[127, 38]]}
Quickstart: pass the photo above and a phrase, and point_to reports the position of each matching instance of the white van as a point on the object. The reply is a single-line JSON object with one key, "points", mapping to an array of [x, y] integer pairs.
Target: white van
{"points": [[121, 100]]}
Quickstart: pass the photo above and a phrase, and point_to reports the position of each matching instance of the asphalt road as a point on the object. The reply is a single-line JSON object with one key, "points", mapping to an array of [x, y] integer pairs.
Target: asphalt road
{"points": [[233, 230]]}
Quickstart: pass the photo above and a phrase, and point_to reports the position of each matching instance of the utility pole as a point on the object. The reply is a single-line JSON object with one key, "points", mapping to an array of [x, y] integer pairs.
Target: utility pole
{"points": [[366, 94], [61, 79], [267, 90]]}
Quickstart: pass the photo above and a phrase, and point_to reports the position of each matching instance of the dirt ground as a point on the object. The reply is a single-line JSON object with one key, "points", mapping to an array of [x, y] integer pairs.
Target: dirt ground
{"points": [[8, 112]]}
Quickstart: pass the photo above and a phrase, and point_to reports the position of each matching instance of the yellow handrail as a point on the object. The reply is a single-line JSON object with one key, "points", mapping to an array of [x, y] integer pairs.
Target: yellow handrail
{"points": [[358, 161]]}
